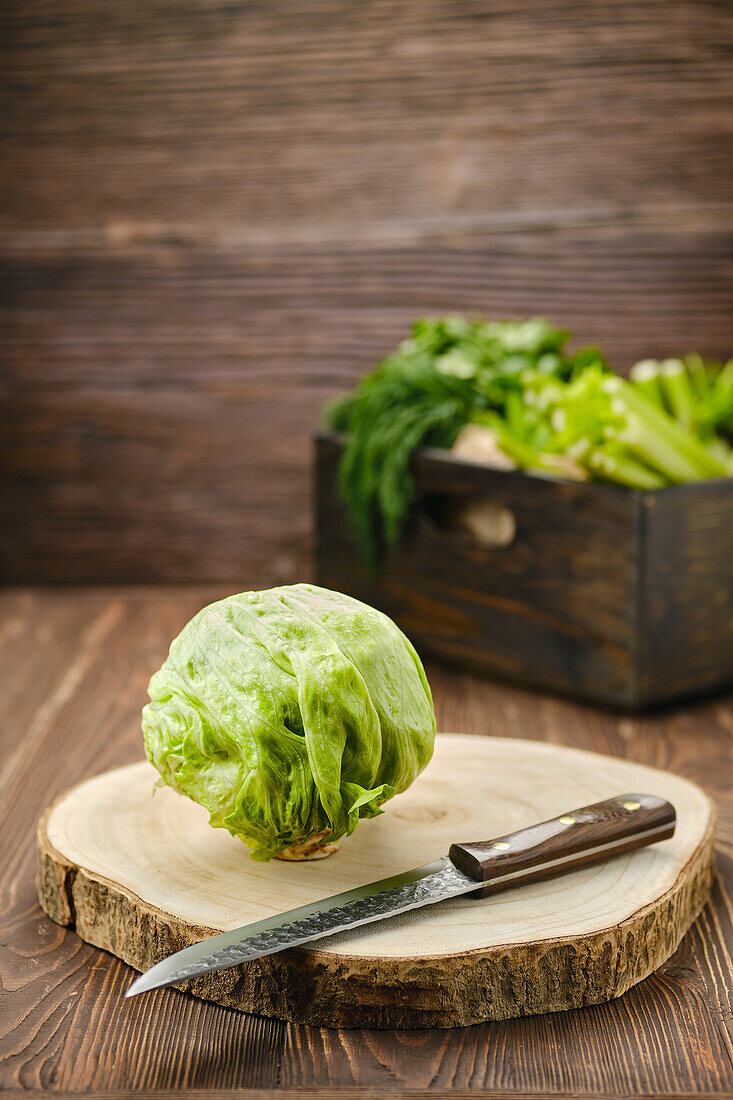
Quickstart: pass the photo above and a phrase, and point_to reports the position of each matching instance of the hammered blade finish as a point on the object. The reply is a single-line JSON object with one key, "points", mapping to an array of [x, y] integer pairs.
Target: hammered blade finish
{"points": [[376, 901]]}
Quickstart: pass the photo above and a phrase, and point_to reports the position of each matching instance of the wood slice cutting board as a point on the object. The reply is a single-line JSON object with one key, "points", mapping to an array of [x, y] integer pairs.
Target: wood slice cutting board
{"points": [[143, 875]]}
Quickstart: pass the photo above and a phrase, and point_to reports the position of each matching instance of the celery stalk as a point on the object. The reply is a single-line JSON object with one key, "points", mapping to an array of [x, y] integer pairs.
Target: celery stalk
{"points": [[622, 470], [721, 452], [700, 378], [654, 449], [723, 396], [524, 454], [675, 384], [724, 379], [671, 442], [645, 376]]}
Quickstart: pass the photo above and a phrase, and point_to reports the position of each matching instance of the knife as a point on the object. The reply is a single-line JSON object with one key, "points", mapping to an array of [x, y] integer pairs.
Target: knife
{"points": [[588, 835]]}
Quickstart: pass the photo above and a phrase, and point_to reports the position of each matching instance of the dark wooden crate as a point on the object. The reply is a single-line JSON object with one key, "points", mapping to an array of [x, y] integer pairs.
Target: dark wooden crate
{"points": [[619, 596]]}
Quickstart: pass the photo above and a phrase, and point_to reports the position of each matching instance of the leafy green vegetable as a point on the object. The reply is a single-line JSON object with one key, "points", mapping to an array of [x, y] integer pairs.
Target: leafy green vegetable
{"points": [[548, 411], [618, 432], [697, 394], [422, 396], [289, 714]]}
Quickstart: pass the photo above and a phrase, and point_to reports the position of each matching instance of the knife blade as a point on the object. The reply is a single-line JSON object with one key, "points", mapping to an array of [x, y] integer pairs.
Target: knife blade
{"points": [[573, 839]]}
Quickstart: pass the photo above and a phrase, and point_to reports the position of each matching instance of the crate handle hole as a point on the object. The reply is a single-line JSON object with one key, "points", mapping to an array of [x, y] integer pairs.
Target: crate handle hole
{"points": [[490, 525]]}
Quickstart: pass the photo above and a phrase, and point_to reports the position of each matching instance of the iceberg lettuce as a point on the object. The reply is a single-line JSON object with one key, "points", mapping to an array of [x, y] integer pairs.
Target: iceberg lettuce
{"points": [[289, 714]]}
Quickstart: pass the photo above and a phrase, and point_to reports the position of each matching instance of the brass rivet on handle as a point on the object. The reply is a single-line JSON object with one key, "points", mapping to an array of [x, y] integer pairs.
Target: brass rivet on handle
{"points": [[501, 845], [630, 805], [566, 820]]}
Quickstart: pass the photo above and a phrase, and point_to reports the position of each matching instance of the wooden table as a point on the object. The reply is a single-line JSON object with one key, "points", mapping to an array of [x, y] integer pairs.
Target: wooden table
{"points": [[74, 666]]}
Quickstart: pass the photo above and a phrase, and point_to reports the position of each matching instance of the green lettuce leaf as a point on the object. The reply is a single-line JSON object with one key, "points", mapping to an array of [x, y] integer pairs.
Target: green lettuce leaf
{"points": [[289, 713]]}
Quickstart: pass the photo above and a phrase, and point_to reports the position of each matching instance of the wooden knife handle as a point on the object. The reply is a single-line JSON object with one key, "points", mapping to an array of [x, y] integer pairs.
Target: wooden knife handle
{"points": [[588, 835]]}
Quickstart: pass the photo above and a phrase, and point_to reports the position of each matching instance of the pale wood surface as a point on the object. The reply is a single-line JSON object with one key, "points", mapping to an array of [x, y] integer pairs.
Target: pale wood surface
{"points": [[622, 918], [75, 663], [162, 848]]}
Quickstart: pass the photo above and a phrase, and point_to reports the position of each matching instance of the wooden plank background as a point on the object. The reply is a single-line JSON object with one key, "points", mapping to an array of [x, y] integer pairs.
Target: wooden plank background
{"points": [[215, 214]]}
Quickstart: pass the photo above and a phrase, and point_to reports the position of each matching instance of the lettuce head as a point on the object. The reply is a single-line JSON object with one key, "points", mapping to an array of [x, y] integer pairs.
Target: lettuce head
{"points": [[289, 714]]}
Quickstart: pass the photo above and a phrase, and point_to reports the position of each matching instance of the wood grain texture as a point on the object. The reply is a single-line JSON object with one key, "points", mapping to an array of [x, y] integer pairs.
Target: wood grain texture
{"points": [[137, 891], [577, 838], [338, 1093], [216, 215], [73, 671], [686, 578], [286, 116], [620, 596]]}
